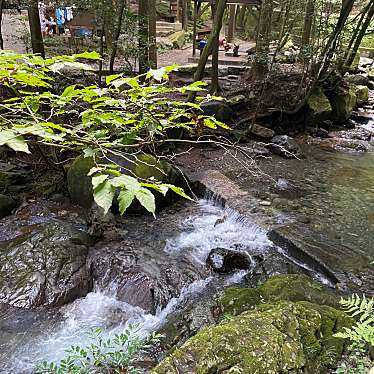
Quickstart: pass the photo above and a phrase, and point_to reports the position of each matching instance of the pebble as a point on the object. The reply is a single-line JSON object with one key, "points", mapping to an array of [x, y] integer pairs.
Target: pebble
{"points": [[265, 203]]}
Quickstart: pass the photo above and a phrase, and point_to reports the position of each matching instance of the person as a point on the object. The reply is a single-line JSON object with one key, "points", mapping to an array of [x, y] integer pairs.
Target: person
{"points": [[43, 19], [60, 20]]}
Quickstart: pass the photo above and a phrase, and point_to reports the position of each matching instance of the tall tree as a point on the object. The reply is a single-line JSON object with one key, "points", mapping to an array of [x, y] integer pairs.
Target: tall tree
{"points": [[260, 64], [1, 21], [184, 14], [308, 23], [217, 25], [35, 28], [117, 35], [231, 28], [143, 36], [152, 34]]}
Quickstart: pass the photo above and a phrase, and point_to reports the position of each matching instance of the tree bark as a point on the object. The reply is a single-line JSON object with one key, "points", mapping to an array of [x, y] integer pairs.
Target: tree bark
{"points": [[1, 21], [231, 29], [308, 23], [143, 36], [217, 25], [35, 29], [260, 65], [214, 89], [352, 53], [241, 16], [152, 34], [117, 35], [184, 15]]}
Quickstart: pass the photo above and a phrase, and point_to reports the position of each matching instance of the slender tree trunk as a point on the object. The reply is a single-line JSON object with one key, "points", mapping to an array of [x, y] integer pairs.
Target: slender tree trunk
{"points": [[308, 23], [230, 32], [260, 65], [184, 15], [1, 21], [117, 35], [143, 36], [214, 89], [217, 25], [361, 34], [241, 16], [35, 29], [101, 48], [152, 34]]}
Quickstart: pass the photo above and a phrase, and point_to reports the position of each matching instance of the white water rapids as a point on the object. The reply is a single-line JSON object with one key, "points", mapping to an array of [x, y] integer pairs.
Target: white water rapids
{"points": [[199, 234]]}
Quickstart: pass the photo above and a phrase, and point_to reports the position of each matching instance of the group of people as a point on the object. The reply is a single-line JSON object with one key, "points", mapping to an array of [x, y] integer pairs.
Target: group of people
{"points": [[53, 19]]}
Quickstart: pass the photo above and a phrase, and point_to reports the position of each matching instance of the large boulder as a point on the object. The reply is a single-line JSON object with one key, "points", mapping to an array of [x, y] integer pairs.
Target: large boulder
{"points": [[44, 264], [145, 167], [285, 146], [284, 337], [371, 74], [357, 79], [14, 178], [219, 109], [7, 204], [222, 260], [362, 94], [319, 106], [261, 131], [343, 103], [178, 39]]}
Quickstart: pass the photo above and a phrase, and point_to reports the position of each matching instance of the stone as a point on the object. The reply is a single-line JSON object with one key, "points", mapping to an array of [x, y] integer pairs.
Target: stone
{"points": [[356, 62], [319, 106], [7, 204], [362, 94], [343, 104], [45, 265], [237, 70], [236, 100], [178, 39], [284, 337], [222, 260], [371, 74], [187, 70], [285, 146], [145, 167], [14, 178], [261, 131], [219, 109], [357, 79]]}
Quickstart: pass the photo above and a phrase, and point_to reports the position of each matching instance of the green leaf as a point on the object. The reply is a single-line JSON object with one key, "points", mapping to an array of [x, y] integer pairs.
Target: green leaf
{"points": [[13, 141], [179, 191], [97, 180], [130, 183], [146, 199], [103, 195], [88, 55], [125, 198]]}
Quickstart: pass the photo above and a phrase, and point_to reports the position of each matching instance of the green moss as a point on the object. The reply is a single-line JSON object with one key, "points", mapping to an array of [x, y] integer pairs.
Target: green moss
{"points": [[343, 105], [319, 105], [283, 337], [362, 94]]}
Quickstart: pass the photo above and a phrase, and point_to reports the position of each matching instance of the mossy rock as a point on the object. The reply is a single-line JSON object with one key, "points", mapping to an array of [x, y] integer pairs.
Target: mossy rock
{"points": [[144, 167], [319, 106], [178, 39], [285, 337], [371, 74], [343, 104], [288, 287], [362, 94], [7, 204]]}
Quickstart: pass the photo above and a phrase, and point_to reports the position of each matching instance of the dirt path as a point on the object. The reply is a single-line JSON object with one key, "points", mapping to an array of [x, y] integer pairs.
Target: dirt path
{"points": [[15, 29]]}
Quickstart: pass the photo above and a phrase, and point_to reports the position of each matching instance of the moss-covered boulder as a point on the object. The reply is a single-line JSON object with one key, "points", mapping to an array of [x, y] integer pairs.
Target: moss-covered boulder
{"points": [[7, 204], [343, 103], [371, 74], [285, 337], [145, 166], [319, 106], [178, 39], [362, 94], [287, 287]]}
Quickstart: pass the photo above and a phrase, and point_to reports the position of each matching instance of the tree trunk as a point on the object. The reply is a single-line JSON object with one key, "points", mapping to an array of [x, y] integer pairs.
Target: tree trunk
{"points": [[35, 29], [143, 36], [117, 34], [241, 16], [361, 34], [230, 32], [1, 21], [152, 34], [260, 65], [217, 25], [214, 89], [308, 23], [184, 15]]}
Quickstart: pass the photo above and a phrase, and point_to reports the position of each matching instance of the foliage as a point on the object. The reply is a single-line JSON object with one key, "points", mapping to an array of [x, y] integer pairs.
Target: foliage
{"points": [[355, 361], [363, 330], [103, 355], [113, 125]]}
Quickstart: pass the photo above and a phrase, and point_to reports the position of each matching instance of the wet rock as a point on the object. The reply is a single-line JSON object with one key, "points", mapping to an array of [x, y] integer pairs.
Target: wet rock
{"points": [[140, 279], [44, 265], [222, 260], [7, 204], [284, 145], [357, 79], [362, 94], [14, 178], [371, 74], [237, 100], [261, 131], [319, 106], [281, 337], [343, 103], [219, 109]]}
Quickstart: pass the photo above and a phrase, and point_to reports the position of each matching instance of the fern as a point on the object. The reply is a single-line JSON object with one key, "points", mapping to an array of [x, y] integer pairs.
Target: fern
{"points": [[361, 308]]}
